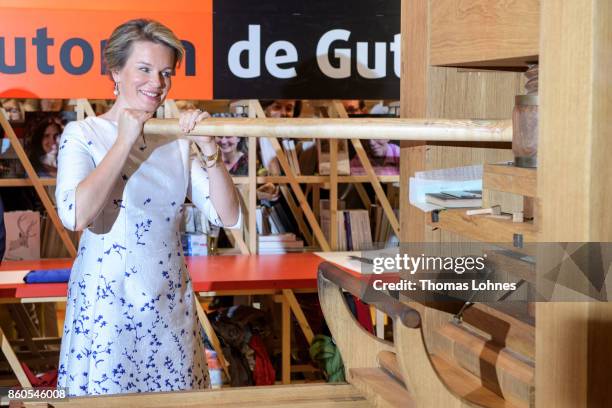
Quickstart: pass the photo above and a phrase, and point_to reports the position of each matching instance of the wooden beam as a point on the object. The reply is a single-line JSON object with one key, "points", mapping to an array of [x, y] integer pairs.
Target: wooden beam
{"points": [[573, 356], [8, 352], [299, 314], [413, 104], [252, 204], [442, 130]]}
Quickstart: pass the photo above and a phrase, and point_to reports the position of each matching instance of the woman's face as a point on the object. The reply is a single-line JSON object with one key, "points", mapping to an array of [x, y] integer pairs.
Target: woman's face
{"points": [[50, 137], [378, 147], [13, 111], [281, 109], [228, 144], [145, 79]]}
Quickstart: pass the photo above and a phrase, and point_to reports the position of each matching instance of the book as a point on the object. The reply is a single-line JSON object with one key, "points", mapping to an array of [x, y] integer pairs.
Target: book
{"points": [[455, 199]]}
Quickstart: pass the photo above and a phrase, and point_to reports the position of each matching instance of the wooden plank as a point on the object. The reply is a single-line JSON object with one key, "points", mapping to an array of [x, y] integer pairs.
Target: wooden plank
{"points": [[502, 328], [333, 194], [363, 195], [36, 183], [314, 179], [500, 370], [302, 395], [212, 336], [286, 342], [297, 212], [10, 356], [387, 360], [511, 179], [19, 182], [413, 104], [299, 314], [483, 228], [483, 31], [574, 173], [381, 389], [252, 203]]}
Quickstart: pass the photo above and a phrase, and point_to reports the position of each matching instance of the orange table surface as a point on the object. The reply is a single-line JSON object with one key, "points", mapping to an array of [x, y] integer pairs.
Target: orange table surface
{"points": [[208, 273]]}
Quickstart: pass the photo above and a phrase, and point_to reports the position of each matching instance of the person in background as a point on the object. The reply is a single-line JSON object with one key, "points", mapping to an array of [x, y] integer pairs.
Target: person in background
{"points": [[31, 105], [43, 147], [384, 157], [355, 106], [233, 154], [13, 109], [52, 105], [280, 108]]}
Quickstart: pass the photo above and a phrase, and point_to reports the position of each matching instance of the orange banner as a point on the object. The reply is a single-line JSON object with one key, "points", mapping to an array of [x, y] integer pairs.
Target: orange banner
{"points": [[56, 52]]}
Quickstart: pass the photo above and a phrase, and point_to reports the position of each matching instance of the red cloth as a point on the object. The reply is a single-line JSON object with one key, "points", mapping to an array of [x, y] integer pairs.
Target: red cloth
{"points": [[264, 373], [46, 380], [363, 315]]}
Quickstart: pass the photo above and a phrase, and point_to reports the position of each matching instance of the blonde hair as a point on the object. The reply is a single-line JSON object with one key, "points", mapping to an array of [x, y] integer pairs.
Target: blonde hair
{"points": [[119, 45]]}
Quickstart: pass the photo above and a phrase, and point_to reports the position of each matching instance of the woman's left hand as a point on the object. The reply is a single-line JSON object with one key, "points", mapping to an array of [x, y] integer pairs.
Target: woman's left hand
{"points": [[188, 120]]}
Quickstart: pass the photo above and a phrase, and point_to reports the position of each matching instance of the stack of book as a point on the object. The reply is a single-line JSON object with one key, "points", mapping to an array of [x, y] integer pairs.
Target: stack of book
{"points": [[279, 244], [354, 231], [456, 199], [273, 220], [292, 157]]}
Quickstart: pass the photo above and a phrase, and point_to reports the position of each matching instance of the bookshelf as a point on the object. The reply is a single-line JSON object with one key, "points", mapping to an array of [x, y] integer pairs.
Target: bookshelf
{"points": [[306, 214]]}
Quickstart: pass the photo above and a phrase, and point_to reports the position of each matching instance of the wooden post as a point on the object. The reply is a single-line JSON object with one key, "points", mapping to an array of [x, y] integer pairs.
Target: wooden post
{"points": [[413, 103], [573, 356]]}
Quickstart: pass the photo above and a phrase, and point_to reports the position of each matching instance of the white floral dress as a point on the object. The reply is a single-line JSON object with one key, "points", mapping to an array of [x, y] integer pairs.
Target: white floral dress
{"points": [[131, 324]]}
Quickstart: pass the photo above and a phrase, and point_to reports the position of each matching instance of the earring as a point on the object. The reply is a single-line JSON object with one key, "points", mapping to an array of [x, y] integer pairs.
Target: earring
{"points": [[116, 90]]}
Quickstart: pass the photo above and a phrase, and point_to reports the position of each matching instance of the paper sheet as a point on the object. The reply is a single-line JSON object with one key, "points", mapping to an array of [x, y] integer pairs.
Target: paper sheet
{"points": [[435, 181], [12, 277]]}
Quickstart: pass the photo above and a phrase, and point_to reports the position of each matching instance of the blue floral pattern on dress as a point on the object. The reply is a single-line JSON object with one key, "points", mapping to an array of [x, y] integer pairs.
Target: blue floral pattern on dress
{"points": [[130, 320]]}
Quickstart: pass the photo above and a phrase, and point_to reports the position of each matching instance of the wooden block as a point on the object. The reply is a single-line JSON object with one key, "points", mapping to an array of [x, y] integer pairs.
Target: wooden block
{"points": [[496, 209], [510, 179], [499, 216], [388, 361], [484, 32], [503, 372], [381, 389], [483, 228], [303, 395]]}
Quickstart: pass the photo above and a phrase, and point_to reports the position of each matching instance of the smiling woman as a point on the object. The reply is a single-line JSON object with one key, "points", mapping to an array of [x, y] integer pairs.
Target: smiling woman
{"points": [[130, 318]]}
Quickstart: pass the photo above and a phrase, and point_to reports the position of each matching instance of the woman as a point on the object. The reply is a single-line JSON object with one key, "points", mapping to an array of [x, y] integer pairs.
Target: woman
{"points": [[233, 153], [384, 158], [130, 318], [43, 150]]}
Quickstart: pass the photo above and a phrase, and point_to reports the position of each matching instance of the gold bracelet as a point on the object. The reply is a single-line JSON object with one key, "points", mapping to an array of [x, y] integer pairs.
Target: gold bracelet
{"points": [[205, 159]]}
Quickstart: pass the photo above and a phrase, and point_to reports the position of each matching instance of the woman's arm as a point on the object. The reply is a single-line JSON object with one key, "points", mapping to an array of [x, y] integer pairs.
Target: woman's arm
{"points": [[219, 188], [93, 191], [222, 191]]}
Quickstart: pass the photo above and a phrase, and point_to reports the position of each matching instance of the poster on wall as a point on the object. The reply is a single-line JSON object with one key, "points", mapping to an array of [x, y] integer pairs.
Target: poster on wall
{"points": [[233, 49]]}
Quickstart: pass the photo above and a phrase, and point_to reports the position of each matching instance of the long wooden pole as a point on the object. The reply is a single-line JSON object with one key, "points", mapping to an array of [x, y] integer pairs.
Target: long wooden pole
{"points": [[442, 130]]}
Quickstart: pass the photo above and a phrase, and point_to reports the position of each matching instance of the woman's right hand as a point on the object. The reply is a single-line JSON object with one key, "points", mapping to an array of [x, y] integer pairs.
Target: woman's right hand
{"points": [[131, 123]]}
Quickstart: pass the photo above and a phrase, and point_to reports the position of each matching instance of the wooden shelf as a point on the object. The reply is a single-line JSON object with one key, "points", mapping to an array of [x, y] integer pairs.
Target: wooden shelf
{"points": [[23, 182], [484, 33], [511, 179], [314, 179], [482, 228]]}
